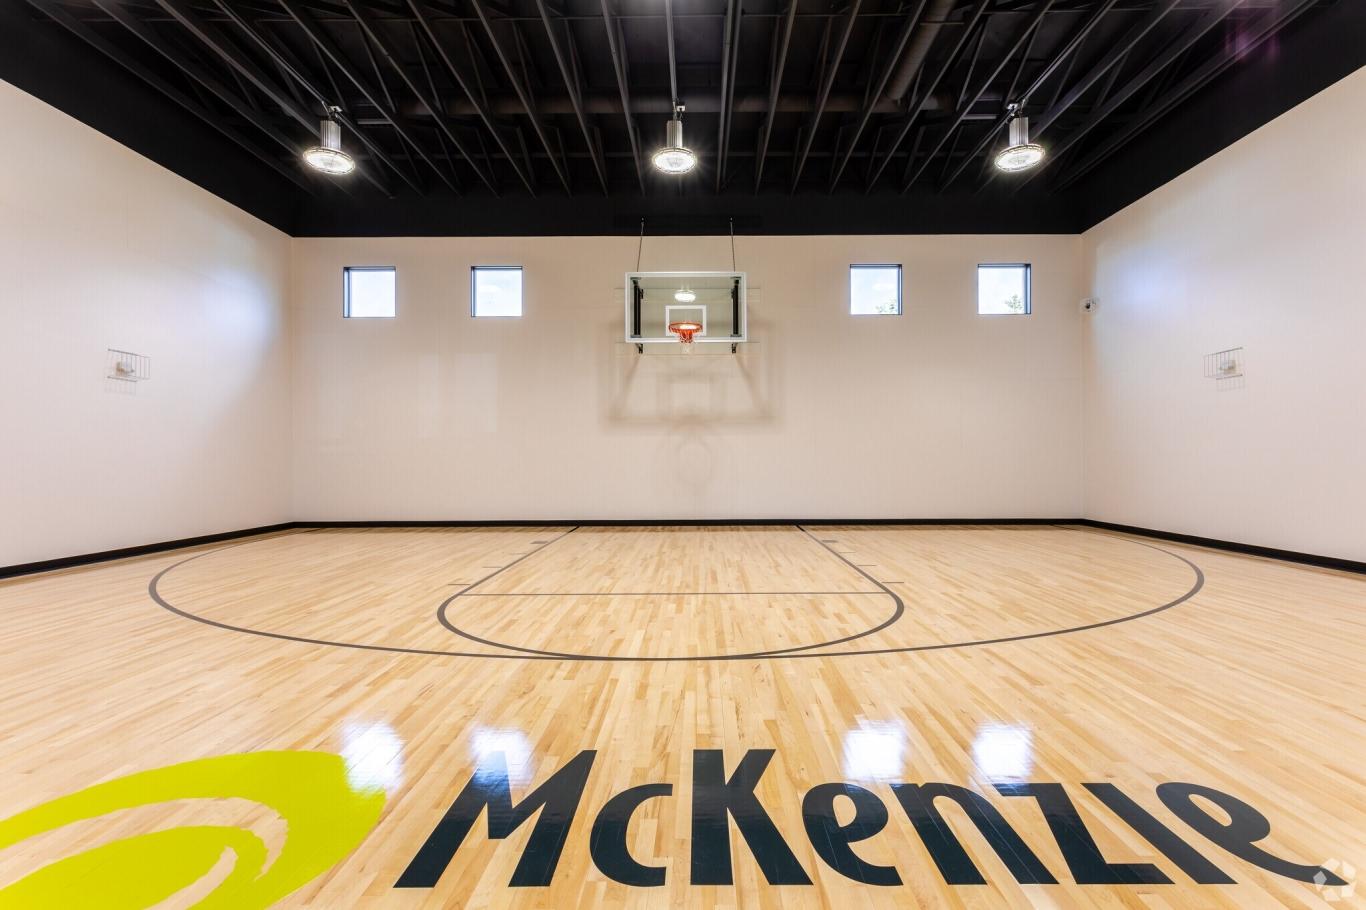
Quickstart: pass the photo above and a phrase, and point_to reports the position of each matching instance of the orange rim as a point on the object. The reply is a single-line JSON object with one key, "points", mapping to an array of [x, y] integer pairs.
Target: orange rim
{"points": [[685, 330]]}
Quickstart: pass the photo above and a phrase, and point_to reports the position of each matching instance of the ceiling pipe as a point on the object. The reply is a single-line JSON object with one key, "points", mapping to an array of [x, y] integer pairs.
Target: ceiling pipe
{"points": [[698, 103], [918, 49]]}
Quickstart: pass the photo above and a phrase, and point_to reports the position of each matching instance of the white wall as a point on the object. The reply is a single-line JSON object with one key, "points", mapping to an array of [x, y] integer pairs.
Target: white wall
{"points": [[1263, 246], [101, 248], [260, 412], [936, 413]]}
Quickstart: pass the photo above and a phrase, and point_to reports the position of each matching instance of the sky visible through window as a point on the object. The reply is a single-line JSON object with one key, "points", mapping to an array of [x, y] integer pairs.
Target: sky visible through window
{"points": [[1002, 290], [370, 293], [497, 292], [874, 290]]}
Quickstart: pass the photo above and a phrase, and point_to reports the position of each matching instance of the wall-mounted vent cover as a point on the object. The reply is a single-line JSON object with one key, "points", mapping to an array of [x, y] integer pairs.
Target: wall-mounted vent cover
{"points": [[1224, 367], [126, 366]]}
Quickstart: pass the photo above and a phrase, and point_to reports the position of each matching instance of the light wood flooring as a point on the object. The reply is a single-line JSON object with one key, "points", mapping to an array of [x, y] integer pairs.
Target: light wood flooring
{"points": [[985, 657]]}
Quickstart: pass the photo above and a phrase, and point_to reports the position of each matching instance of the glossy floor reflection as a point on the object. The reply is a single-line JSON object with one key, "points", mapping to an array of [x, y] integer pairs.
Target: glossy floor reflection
{"points": [[1151, 725]]}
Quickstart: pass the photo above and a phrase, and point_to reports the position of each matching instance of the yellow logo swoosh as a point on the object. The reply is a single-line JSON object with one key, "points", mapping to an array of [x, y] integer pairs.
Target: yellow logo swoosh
{"points": [[326, 818]]}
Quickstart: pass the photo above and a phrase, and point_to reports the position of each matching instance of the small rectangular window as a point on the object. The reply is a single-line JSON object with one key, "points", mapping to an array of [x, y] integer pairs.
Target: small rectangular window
{"points": [[1003, 289], [368, 292], [875, 290], [496, 290]]}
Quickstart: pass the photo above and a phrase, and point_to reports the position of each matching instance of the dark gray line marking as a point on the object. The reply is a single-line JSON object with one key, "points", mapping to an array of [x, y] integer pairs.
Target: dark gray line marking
{"points": [[945, 646], [909, 649], [443, 618], [281, 636], [499, 569], [658, 593]]}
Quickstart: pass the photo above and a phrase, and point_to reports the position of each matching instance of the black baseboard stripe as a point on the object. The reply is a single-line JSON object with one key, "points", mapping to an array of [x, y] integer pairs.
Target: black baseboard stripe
{"points": [[1247, 549], [679, 522], [67, 562]]}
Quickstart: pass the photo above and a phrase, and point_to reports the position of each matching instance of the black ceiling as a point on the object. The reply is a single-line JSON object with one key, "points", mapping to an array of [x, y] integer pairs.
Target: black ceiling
{"points": [[811, 116]]}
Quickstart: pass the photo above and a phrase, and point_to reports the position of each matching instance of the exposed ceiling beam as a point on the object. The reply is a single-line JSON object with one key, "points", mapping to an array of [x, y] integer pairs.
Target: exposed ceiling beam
{"points": [[1024, 62], [326, 46], [196, 73], [930, 87], [1108, 62], [827, 82], [967, 106], [972, 65], [624, 155], [912, 21], [1068, 50], [1110, 58], [1108, 86], [386, 47], [730, 45], [618, 52], [448, 12], [1271, 22], [368, 47], [573, 83], [99, 43], [914, 153], [907, 71], [418, 45], [673, 50], [809, 100], [294, 70], [1183, 42], [700, 101], [424, 19], [215, 40], [523, 94], [218, 42], [775, 88]]}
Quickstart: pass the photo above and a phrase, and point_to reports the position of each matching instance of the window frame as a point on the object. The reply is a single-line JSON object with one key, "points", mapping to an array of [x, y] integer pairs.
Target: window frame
{"points": [[1028, 286], [346, 289], [474, 290], [900, 286]]}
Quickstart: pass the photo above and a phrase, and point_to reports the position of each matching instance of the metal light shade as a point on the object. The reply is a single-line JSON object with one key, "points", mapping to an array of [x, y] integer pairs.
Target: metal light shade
{"points": [[675, 157], [1021, 154], [328, 157]]}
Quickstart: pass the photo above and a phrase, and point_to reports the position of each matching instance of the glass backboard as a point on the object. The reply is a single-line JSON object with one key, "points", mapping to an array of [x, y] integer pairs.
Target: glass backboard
{"points": [[714, 300]]}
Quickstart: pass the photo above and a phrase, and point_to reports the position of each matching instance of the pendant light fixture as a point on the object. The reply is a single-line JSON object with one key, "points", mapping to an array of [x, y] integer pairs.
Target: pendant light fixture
{"points": [[685, 296], [1021, 154], [328, 156], [675, 157]]}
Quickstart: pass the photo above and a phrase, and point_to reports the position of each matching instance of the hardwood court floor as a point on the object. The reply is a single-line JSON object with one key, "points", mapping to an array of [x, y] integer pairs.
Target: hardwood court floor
{"points": [[984, 657]]}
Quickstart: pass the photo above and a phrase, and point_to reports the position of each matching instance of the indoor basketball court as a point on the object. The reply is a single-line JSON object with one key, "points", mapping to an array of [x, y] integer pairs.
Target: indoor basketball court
{"points": [[682, 453]]}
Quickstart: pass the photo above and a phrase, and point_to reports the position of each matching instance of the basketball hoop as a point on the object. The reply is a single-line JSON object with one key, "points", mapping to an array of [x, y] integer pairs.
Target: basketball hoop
{"points": [[685, 331]]}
